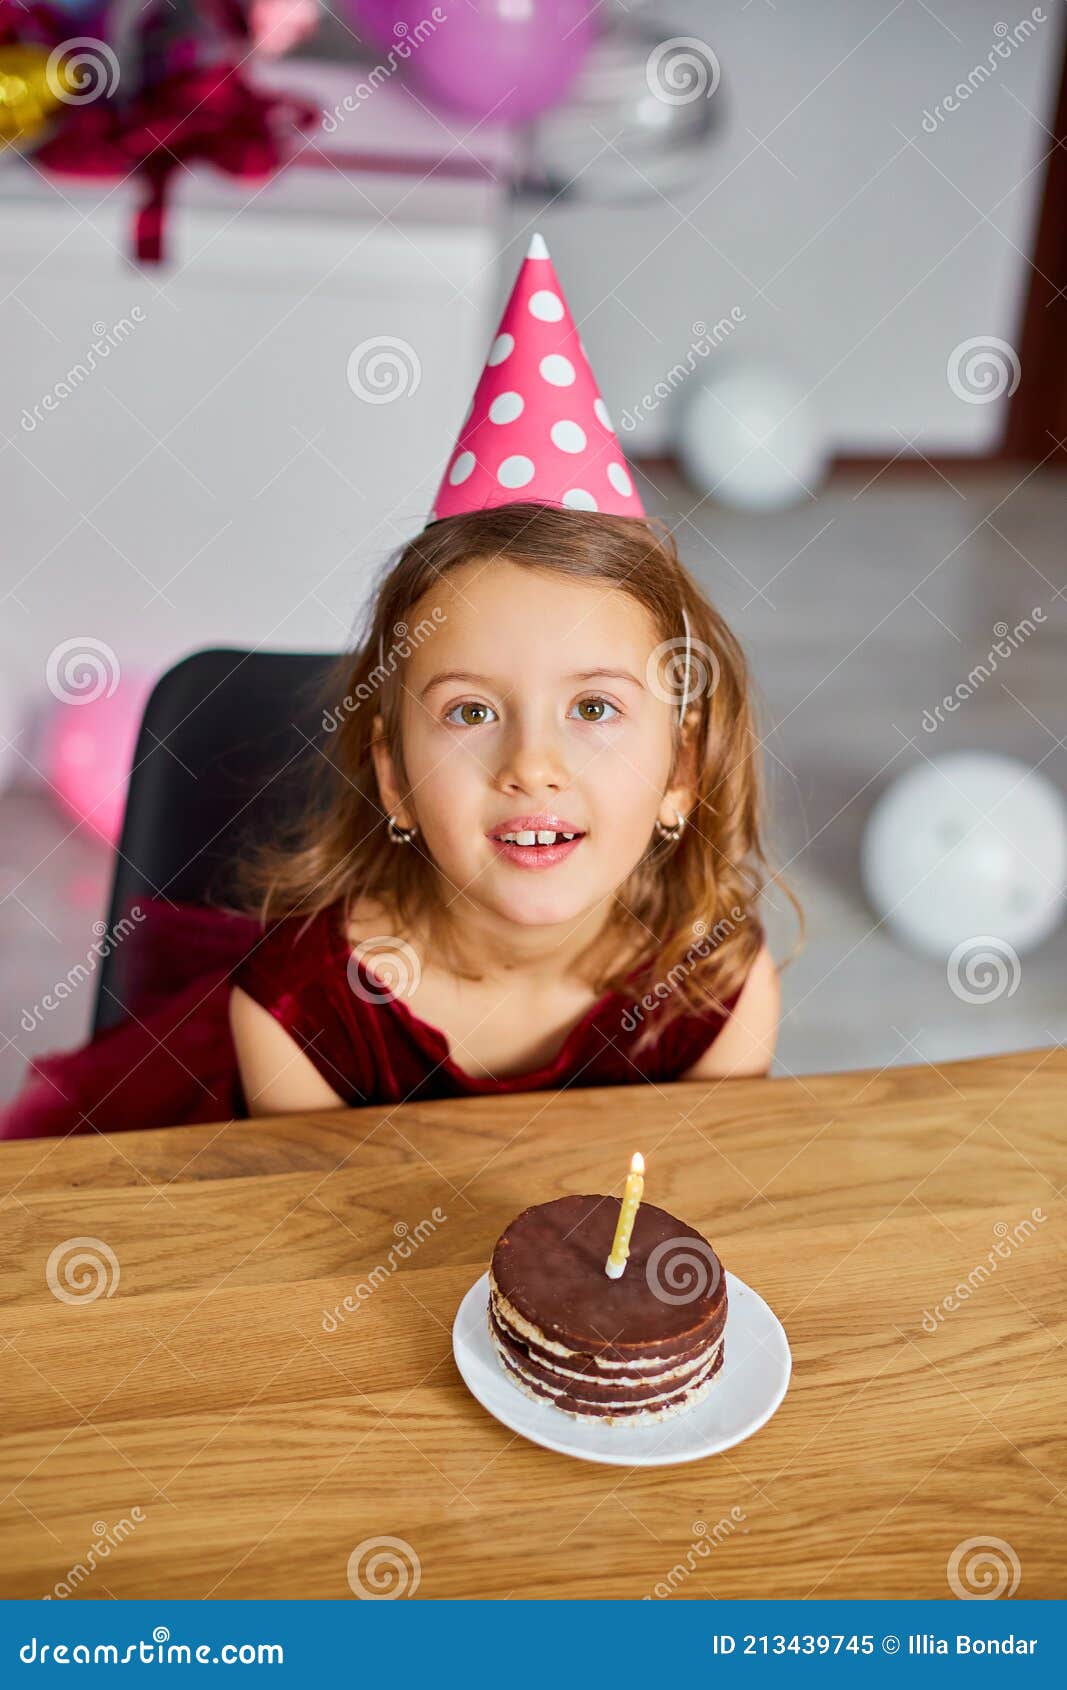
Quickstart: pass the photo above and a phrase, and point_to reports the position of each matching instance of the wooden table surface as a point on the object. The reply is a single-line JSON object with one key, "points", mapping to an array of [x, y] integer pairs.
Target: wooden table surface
{"points": [[200, 1423]]}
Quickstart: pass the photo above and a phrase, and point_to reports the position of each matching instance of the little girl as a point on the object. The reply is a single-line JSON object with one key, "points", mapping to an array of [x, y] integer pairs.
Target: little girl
{"points": [[535, 862], [540, 863]]}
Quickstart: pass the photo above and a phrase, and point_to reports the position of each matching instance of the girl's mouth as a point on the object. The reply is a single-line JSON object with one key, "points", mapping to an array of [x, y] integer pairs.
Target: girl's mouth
{"points": [[535, 850]]}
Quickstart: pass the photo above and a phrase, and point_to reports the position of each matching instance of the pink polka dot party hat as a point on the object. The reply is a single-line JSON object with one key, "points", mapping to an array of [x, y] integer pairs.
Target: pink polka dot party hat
{"points": [[538, 427]]}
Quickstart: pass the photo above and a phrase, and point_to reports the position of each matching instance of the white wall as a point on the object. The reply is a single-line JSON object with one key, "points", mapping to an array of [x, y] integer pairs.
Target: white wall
{"points": [[214, 478], [859, 261]]}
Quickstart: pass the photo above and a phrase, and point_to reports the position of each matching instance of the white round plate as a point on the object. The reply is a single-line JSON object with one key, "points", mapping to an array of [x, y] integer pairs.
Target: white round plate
{"points": [[749, 1386]]}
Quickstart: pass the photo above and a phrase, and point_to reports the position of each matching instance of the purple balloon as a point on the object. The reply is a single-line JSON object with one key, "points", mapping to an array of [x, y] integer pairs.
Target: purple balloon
{"points": [[500, 60], [375, 19]]}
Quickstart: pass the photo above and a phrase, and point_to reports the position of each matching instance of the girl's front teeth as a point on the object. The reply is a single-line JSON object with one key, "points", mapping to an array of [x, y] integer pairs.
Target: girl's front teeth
{"points": [[529, 838]]}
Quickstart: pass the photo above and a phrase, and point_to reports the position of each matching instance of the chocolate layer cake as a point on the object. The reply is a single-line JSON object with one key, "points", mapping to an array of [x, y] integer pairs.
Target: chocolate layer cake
{"points": [[637, 1348]]}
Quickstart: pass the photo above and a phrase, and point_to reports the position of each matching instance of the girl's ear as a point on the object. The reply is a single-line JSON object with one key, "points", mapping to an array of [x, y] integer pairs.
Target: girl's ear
{"points": [[681, 796], [388, 791], [686, 769]]}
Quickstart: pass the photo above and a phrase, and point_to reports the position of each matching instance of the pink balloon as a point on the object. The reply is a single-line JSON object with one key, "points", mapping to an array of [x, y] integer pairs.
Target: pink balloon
{"points": [[499, 60], [88, 752]]}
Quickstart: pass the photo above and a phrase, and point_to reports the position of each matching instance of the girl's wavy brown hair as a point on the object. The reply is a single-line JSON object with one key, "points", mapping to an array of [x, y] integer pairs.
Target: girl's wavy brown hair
{"points": [[685, 919]]}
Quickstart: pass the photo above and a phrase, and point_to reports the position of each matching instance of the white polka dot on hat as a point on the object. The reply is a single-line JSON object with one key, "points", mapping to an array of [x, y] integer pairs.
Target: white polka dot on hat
{"points": [[500, 349], [506, 407], [546, 305], [568, 436], [558, 370], [515, 471]]}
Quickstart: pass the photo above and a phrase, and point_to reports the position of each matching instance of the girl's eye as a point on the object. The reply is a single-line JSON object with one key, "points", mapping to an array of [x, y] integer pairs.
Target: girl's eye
{"points": [[467, 721], [598, 704]]}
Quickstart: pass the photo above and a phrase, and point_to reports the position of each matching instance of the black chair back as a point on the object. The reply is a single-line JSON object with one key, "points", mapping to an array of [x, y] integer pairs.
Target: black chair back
{"points": [[223, 756]]}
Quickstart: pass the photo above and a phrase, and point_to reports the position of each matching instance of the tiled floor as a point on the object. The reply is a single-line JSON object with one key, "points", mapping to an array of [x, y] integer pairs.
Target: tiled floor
{"points": [[859, 610]]}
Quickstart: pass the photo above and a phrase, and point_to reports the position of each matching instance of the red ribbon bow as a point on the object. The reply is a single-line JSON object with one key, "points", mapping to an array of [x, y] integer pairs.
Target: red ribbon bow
{"points": [[210, 115]]}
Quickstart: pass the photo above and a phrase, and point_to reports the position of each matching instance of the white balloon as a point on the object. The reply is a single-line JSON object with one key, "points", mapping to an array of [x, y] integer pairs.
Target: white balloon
{"points": [[749, 438], [971, 844]]}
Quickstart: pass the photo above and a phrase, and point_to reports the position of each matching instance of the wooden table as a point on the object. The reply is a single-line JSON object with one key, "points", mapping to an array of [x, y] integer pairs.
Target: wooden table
{"points": [[199, 1420]]}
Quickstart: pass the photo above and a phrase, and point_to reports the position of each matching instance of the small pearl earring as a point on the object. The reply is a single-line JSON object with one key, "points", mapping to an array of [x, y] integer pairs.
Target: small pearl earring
{"points": [[400, 835], [674, 832]]}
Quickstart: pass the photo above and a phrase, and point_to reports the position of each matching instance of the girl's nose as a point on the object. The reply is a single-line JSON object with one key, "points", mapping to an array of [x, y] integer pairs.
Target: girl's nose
{"points": [[532, 764]]}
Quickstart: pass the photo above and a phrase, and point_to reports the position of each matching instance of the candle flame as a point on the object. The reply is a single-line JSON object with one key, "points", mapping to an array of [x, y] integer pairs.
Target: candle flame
{"points": [[637, 1166]]}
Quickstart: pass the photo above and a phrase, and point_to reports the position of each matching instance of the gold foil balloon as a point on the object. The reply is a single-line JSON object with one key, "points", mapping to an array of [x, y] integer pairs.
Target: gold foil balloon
{"points": [[28, 94]]}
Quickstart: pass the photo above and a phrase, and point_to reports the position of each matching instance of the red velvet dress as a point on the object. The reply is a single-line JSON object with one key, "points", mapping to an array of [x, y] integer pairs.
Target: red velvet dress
{"points": [[173, 1060]]}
